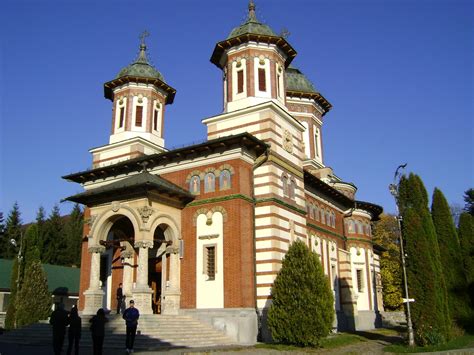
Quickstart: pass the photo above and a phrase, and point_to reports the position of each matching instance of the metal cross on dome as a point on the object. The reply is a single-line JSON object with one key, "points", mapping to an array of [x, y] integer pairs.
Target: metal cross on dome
{"points": [[142, 37]]}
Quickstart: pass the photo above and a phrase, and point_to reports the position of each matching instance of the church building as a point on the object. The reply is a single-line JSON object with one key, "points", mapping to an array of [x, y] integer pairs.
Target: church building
{"points": [[202, 230]]}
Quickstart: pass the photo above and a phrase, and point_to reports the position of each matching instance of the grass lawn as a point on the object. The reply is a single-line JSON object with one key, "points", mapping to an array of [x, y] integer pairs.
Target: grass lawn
{"points": [[465, 341], [333, 341]]}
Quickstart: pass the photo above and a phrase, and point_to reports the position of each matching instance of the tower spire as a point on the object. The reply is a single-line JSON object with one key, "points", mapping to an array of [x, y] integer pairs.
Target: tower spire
{"points": [[142, 58], [251, 17]]}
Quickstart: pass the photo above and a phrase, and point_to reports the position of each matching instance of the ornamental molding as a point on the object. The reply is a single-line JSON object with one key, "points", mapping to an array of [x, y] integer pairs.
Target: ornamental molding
{"points": [[145, 213], [96, 249], [194, 173], [172, 249], [209, 213], [287, 141], [126, 254], [115, 206], [144, 244], [91, 220], [209, 236]]}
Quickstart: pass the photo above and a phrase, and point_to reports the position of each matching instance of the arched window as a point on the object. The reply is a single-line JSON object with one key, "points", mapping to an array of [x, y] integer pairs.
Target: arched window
{"points": [[316, 213], [358, 227], [328, 218], [323, 216], [333, 224], [311, 211], [292, 188], [209, 182], [224, 180], [351, 226], [284, 180], [195, 185]]}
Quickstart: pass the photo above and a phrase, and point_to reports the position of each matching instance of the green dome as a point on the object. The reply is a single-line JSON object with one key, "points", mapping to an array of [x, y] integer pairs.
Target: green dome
{"points": [[251, 25], [297, 81], [141, 67]]}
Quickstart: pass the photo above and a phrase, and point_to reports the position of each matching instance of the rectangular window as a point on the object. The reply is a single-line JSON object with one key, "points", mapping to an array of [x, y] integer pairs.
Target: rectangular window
{"points": [[122, 116], [155, 120], [240, 81], [262, 85], [139, 116], [278, 85], [360, 280], [211, 262], [316, 143]]}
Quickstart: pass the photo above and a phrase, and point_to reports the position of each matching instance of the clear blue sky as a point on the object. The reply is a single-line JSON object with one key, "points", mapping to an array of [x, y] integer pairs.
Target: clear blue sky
{"points": [[398, 73]]}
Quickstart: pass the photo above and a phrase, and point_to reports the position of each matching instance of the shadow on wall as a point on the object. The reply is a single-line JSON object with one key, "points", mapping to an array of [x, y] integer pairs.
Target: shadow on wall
{"points": [[345, 316]]}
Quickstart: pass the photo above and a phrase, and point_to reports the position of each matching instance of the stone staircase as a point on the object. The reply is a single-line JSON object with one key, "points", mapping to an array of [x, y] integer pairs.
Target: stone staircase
{"points": [[154, 332]]}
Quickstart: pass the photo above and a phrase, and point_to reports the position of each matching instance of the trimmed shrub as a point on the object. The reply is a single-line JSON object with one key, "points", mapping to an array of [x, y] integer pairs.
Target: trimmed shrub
{"points": [[302, 310]]}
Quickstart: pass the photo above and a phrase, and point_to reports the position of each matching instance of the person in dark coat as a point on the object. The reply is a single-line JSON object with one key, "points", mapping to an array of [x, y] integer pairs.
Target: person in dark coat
{"points": [[98, 331], [119, 298], [59, 321], [74, 334], [131, 316]]}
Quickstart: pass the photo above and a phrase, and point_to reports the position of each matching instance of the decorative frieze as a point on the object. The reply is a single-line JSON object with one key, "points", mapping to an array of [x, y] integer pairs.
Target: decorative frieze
{"points": [[209, 236], [144, 244], [96, 249]]}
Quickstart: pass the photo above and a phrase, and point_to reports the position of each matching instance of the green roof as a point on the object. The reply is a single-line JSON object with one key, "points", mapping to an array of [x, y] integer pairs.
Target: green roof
{"points": [[61, 279], [251, 25], [297, 81], [141, 67]]}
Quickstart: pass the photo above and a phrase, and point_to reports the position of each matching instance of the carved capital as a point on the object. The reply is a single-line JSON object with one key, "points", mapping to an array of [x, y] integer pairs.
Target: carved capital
{"points": [[96, 249], [126, 254], [145, 213], [144, 244]]}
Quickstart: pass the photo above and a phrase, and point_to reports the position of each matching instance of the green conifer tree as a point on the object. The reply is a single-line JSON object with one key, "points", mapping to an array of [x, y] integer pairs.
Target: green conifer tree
{"points": [[12, 231], [430, 311], [34, 299], [466, 238], [54, 241], [451, 255], [10, 318], [73, 233], [385, 233], [40, 223], [302, 310]]}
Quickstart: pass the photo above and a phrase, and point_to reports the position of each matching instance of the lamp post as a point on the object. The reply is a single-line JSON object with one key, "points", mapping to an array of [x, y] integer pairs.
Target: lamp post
{"points": [[394, 190]]}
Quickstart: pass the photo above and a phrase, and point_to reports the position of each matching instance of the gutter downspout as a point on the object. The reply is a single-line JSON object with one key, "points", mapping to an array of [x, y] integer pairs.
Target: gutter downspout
{"points": [[259, 316]]}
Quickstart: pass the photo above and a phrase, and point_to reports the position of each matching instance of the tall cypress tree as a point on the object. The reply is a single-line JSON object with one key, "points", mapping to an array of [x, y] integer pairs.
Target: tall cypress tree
{"points": [[10, 318], [54, 241], [430, 312], [40, 223], [466, 238], [451, 255]]}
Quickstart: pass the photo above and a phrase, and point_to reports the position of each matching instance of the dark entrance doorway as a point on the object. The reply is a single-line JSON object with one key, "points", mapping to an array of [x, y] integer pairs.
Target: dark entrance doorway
{"points": [[155, 268]]}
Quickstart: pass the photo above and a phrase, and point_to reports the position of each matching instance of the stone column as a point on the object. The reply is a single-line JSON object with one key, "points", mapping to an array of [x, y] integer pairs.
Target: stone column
{"points": [[127, 278], [94, 294], [142, 292], [172, 294]]}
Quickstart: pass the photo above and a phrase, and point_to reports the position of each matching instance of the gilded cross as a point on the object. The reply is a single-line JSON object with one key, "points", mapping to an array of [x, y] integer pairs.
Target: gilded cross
{"points": [[142, 37]]}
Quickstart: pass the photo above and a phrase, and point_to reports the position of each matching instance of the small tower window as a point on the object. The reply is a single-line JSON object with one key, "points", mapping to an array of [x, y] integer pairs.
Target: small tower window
{"points": [[240, 81], [155, 119], [224, 180], [360, 280], [195, 185], [278, 85], [139, 116], [262, 85], [121, 117], [209, 182], [316, 142], [284, 179]]}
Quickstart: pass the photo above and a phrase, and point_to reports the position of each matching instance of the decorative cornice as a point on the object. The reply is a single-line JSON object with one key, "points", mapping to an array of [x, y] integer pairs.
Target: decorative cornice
{"points": [[220, 199], [144, 244], [313, 226], [280, 202], [96, 249]]}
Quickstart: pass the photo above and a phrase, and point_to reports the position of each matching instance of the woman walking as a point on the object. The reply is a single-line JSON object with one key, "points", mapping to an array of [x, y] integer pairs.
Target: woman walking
{"points": [[98, 331], [74, 333]]}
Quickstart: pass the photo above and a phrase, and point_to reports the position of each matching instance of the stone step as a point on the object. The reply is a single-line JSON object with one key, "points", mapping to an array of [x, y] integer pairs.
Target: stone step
{"points": [[154, 331]]}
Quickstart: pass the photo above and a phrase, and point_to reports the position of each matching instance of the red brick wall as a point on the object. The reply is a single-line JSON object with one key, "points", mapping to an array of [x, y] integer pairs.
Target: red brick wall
{"points": [[85, 261]]}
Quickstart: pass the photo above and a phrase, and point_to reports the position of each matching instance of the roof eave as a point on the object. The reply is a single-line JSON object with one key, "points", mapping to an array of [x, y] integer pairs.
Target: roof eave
{"points": [[316, 96], [110, 85]]}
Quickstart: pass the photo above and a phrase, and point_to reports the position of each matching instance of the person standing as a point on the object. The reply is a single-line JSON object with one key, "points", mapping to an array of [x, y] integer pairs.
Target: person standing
{"points": [[74, 334], [131, 316], [98, 331], [119, 298], [59, 321]]}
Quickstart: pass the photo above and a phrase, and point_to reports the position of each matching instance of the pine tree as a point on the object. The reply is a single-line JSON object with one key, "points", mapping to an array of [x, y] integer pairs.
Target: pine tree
{"points": [[10, 318], [430, 311], [3, 236], [12, 231], [73, 234], [386, 234], [302, 310], [2, 225], [54, 241], [34, 299], [469, 199], [40, 223], [451, 255]]}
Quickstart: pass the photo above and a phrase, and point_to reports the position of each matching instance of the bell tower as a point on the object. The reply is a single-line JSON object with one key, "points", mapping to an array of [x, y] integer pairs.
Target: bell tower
{"points": [[139, 94], [253, 60]]}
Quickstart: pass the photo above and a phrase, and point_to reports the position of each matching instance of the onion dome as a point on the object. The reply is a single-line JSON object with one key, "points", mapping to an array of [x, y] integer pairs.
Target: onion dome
{"points": [[140, 71], [298, 85], [141, 67], [251, 25], [251, 30]]}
